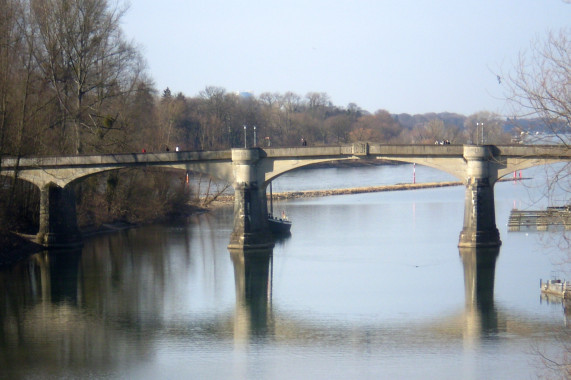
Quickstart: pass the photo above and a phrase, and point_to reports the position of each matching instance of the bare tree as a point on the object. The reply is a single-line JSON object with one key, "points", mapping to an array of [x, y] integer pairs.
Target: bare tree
{"points": [[10, 47], [219, 124], [318, 103], [82, 52], [540, 85], [380, 127], [171, 112], [339, 127]]}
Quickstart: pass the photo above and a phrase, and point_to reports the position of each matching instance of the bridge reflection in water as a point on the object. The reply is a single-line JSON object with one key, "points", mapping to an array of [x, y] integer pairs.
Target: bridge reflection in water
{"points": [[69, 311], [253, 279], [479, 275], [253, 275]]}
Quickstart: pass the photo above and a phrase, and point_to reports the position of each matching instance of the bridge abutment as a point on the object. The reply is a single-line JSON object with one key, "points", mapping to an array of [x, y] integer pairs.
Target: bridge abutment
{"points": [[58, 218], [251, 230], [479, 209]]}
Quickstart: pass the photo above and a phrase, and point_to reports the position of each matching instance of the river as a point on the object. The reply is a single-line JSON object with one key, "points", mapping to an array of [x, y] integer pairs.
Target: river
{"points": [[367, 286]]}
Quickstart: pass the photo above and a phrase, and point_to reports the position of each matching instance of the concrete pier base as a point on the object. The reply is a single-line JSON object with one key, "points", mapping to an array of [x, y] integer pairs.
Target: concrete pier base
{"points": [[251, 230], [58, 218], [479, 216], [479, 228]]}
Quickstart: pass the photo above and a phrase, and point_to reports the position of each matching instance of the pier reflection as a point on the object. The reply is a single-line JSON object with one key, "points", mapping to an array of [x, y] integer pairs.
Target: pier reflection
{"points": [[253, 281], [50, 277], [63, 268], [479, 274]]}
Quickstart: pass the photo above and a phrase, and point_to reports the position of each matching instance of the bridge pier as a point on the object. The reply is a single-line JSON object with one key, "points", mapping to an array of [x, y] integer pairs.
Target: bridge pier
{"points": [[58, 218], [479, 209], [251, 230]]}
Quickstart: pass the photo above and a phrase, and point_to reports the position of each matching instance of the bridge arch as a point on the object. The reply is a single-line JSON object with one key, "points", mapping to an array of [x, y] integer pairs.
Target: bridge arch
{"points": [[518, 164], [275, 168], [18, 178], [63, 177], [223, 173]]}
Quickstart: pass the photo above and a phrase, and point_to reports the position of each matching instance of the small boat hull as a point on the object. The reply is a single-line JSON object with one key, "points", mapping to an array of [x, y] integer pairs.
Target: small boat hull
{"points": [[279, 226]]}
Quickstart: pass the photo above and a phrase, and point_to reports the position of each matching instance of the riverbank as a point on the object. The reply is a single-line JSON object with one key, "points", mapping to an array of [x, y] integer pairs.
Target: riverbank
{"points": [[15, 247]]}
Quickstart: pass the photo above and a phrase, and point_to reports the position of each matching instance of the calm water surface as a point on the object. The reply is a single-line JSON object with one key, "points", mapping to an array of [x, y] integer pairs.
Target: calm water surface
{"points": [[367, 286]]}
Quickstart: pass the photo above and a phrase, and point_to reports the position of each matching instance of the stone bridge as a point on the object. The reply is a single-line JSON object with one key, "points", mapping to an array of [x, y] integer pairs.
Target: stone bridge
{"points": [[250, 170]]}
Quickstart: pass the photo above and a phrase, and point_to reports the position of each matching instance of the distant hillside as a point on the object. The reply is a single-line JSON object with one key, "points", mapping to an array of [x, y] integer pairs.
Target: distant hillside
{"points": [[534, 125], [510, 124], [410, 121]]}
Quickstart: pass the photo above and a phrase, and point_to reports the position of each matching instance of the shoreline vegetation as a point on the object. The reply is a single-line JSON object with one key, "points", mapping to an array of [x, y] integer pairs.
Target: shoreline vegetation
{"points": [[16, 247]]}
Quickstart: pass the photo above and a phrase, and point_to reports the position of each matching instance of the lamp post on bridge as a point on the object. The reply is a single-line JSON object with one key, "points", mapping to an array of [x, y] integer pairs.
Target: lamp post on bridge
{"points": [[481, 125], [245, 138], [255, 140]]}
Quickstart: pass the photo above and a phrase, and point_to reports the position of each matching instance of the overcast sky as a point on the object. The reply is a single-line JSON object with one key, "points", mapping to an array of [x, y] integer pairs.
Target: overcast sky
{"points": [[412, 56]]}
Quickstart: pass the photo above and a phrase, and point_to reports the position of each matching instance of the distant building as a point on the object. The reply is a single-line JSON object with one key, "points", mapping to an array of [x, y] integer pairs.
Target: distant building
{"points": [[244, 94]]}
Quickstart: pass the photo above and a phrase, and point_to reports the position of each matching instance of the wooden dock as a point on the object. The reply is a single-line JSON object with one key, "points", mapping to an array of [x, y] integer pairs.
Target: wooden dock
{"points": [[543, 220]]}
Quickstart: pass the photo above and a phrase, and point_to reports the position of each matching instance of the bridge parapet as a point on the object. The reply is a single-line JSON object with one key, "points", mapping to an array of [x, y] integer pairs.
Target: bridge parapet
{"points": [[415, 150], [360, 149]]}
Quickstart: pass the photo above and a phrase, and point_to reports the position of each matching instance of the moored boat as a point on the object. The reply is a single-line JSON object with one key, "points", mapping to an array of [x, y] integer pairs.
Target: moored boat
{"points": [[278, 226]]}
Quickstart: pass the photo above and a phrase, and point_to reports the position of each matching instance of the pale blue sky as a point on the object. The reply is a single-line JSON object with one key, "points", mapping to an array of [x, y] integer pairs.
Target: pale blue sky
{"points": [[411, 56]]}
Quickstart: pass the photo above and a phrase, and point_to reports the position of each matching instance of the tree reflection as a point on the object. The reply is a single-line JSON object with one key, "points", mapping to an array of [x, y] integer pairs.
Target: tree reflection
{"points": [[69, 309]]}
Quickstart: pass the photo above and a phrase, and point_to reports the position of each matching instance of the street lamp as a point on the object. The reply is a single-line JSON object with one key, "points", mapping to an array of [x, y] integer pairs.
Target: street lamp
{"points": [[481, 125], [255, 140], [245, 138]]}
